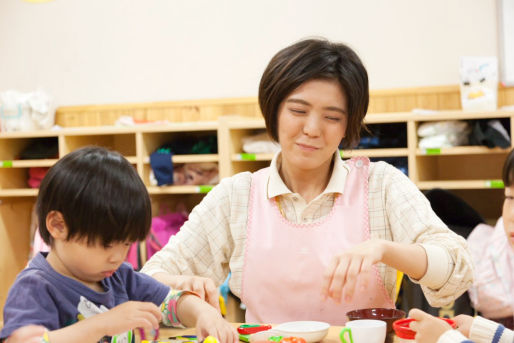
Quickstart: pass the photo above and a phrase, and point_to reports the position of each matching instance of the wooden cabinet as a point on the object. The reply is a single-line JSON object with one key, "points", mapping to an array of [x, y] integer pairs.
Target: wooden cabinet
{"points": [[473, 172]]}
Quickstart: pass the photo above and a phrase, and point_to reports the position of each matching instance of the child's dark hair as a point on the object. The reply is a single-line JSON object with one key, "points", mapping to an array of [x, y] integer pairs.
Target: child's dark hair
{"points": [[100, 196], [508, 169]]}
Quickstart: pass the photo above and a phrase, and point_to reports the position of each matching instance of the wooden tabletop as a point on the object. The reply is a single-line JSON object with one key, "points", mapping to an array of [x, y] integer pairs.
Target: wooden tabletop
{"points": [[165, 333]]}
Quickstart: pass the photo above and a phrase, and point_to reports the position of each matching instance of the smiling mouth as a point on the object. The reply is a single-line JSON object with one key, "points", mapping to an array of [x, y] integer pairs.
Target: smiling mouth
{"points": [[307, 147]]}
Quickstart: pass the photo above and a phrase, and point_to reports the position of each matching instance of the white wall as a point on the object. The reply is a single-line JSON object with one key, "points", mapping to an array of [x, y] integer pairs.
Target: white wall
{"points": [[110, 51]]}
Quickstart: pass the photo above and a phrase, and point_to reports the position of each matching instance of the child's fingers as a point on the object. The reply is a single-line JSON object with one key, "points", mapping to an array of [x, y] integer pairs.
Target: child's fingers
{"points": [[418, 314], [152, 309]]}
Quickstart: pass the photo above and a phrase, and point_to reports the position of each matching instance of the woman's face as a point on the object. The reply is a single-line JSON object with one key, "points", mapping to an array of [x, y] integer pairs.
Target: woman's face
{"points": [[312, 122], [508, 214]]}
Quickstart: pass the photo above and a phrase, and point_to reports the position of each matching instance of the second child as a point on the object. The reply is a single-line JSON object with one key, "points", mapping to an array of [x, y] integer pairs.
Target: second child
{"points": [[91, 206]]}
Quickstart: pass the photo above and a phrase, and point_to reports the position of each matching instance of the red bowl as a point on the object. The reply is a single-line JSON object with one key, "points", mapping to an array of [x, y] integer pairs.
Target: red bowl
{"points": [[402, 327], [388, 315]]}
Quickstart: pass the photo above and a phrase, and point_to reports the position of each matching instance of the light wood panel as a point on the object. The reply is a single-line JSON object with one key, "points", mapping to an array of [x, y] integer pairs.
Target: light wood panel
{"points": [[381, 101]]}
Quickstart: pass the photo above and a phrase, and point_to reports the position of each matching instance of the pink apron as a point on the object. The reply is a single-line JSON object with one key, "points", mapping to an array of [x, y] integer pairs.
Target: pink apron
{"points": [[284, 261]]}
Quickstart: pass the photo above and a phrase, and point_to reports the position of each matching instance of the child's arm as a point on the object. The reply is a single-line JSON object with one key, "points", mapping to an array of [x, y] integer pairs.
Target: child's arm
{"points": [[120, 319], [188, 309], [485, 331], [27, 334]]}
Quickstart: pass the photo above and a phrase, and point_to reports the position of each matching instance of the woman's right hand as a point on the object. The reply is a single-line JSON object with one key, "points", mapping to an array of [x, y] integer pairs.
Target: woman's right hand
{"points": [[203, 286], [27, 334]]}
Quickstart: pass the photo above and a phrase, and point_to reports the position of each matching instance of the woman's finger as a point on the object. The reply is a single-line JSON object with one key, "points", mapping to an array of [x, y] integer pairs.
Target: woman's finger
{"points": [[339, 279]]}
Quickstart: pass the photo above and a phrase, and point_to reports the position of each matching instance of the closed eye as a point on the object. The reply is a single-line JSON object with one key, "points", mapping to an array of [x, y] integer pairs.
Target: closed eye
{"points": [[297, 111]]}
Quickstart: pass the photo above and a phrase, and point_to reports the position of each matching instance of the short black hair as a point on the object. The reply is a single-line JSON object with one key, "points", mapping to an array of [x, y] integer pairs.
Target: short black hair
{"points": [[312, 59], [100, 195], [508, 169]]}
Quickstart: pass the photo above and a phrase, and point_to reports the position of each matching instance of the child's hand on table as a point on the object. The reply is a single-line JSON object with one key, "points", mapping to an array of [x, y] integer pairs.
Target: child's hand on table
{"points": [[128, 316], [211, 323], [27, 334], [428, 328]]}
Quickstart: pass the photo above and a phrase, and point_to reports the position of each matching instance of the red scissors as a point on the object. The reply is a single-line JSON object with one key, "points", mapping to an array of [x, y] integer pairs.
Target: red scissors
{"points": [[248, 329]]}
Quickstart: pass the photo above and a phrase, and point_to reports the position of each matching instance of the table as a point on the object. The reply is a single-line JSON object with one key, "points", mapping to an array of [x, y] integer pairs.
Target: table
{"points": [[332, 336]]}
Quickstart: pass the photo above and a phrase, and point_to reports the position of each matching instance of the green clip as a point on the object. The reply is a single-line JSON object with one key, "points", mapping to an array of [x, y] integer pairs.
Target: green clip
{"points": [[244, 338], [247, 157], [495, 184], [341, 153], [204, 188], [432, 151], [7, 164]]}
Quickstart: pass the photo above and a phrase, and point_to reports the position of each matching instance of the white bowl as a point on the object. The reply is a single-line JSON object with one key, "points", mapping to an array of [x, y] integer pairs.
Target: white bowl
{"points": [[311, 331]]}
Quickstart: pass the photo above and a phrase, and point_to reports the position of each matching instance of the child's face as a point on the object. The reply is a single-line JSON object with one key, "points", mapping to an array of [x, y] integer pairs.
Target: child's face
{"points": [[88, 263], [508, 214]]}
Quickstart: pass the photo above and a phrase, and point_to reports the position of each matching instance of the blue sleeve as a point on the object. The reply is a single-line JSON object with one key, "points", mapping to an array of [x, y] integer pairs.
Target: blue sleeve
{"points": [[30, 301], [142, 287]]}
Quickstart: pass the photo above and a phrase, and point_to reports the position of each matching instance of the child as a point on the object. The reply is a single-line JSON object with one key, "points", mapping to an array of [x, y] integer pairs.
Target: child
{"points": [[430, 329], [492, 251], [91, 206]]}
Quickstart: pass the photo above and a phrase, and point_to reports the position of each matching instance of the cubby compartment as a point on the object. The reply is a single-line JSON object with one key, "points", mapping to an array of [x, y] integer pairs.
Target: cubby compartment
{"points": [[446, 135], [205, 177], [13, 178], [196, 142], [487, 202], [384, 136], [124, 143], [174, 202], [452, 168], [23, 148]]}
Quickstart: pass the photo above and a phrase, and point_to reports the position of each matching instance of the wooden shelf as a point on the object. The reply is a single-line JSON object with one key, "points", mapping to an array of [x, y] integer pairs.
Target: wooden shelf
{"points": [[194, 158], [252, 157], [18, 192], [179, 189], [460, 184], [462, 150], [27, 163]]}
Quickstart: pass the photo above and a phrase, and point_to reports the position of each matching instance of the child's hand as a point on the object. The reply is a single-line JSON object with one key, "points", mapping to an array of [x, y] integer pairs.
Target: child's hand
{"points": [[463, 323], [27, 334], [211, 323], [128, 316], [428, 328]]}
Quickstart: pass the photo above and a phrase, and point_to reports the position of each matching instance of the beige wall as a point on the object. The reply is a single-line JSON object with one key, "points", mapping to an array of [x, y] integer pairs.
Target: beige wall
{"points": [[109, 51]]}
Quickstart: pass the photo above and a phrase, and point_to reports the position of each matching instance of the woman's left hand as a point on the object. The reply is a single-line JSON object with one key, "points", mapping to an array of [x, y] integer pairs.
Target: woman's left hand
{"points": [[340, 278]]}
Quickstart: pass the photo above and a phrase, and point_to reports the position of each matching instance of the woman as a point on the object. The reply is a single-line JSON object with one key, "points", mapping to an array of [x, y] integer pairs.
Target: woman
{"points": [[313, 236]]}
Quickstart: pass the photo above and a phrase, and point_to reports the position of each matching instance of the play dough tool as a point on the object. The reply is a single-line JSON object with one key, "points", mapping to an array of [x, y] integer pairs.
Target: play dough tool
{"points": [[248, 329]]}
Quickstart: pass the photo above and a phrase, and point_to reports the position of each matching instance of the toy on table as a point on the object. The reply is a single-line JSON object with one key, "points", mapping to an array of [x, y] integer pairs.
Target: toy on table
{"points": [[142, 334], [247, 329]]}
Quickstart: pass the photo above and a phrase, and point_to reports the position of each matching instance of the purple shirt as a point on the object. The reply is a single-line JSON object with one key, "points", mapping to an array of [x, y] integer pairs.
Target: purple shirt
{"points": [[42, 296]]}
